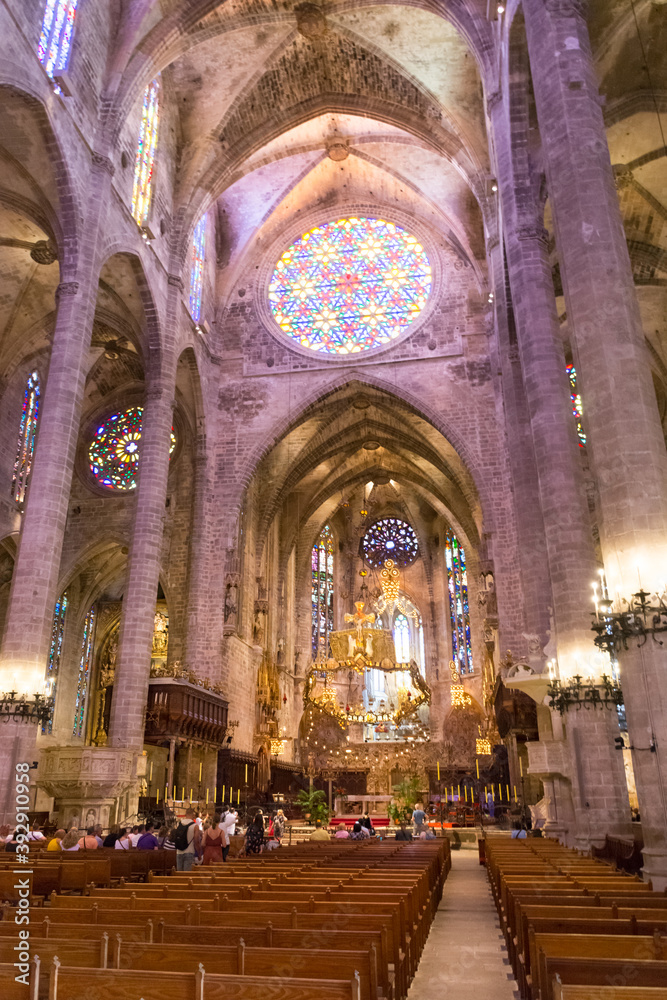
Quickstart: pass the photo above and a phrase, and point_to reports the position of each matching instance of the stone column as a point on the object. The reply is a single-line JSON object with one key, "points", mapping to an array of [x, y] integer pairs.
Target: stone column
{"points": [[598, 787], [27, 635], [625, 438], [132, 673]]}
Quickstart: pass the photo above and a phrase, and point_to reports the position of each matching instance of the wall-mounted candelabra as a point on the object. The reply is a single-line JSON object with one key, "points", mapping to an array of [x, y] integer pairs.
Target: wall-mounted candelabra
{"points": [[36, 708], [615, 623], [588, 694]]}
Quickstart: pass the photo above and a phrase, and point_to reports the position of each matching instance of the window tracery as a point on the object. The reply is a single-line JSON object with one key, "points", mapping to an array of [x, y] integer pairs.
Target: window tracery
{"points": [[402, 639], [55, 39], [146, 148], [26, 441], [322, 563], [459, 610], [390, 538], [85, 666], [113, 454], [577, 407], [197, 268], [350, 285], [55, 651]]}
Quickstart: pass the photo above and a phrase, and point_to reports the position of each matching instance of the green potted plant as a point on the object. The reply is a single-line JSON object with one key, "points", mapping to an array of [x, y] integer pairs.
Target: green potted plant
{"points": [[313, 805], [406, 793]]}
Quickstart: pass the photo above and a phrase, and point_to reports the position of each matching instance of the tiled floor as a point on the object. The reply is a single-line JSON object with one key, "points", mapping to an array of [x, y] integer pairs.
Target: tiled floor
{"points": [[463, 958]]}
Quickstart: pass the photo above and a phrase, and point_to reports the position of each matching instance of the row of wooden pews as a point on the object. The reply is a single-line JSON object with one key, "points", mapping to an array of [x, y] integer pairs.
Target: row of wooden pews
{"points": [[338, 921], [576, 928]]}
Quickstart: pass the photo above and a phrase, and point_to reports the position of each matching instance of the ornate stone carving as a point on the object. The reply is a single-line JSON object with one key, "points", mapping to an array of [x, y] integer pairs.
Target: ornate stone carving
{"points": [[44, 252], [86, 779], [67, 288], [538, 233], [493, 101], [175, 281], [310, 20], [104, 163], [338, 150]]}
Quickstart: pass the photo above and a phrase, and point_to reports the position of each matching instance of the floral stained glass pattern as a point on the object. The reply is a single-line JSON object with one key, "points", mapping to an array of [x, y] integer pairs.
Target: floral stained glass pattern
{"points": [[197, 268], [459, 610], [577, 408], [26, 441], [55, 39], [146, 148], [390, 538], [114, 452], [85, 665], [55, 650], [322, 592], [350, 285]]}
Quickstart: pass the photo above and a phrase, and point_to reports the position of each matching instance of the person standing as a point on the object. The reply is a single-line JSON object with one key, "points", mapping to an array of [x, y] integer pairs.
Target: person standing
{"points": [[254, 838], [279, 823], [228, 826], [418, 818], [212, 841], [188, 842]]}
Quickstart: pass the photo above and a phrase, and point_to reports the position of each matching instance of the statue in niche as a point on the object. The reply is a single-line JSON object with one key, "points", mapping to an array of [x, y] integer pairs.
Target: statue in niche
{"points": [[160, 634], [231, 601], [280, 654], [258, 629]]}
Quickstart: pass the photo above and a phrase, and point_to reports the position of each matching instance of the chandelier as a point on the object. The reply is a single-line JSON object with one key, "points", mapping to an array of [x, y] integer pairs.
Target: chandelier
{"points": [[644, 615], [354, 651]]}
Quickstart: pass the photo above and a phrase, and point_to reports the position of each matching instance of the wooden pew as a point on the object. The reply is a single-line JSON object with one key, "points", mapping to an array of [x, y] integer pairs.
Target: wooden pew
{"points": [[67, 983], [609, 992], [11, 990]]}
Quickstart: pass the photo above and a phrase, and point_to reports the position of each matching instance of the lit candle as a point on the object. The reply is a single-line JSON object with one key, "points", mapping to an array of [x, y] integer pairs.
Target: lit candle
{"points": [[166, 792], [157, 797], [477, 766], [223, 793], [150, 773], [207, 796], [246, 774], [515, 798], [508, 792], [190, 795], [521, 766], [215, 794], [174, 793], [465, 792], [486, 793], [182, 794], [438, 770], [459, 790], [200, 769], [238, 798], [500, 792], [452, 791]]}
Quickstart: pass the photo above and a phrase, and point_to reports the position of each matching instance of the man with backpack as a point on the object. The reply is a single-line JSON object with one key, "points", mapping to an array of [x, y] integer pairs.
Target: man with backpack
{"points": [[187, 840]]}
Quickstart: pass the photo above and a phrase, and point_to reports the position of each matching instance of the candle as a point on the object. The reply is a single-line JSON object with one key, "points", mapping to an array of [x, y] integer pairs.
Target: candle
{"points": [[452, 791], [459, 791], [246, 774], [238, 798], [521, 766], [515, 799], [465, 792], [500, 792], [182, 794], [207, 796], [486, 793], [174, 793], [190, 795], [215, 794], [150, 773], [477, 766], [508, 792], [223, 793], [157, 797], [438, 770], [166, 792], [200, 769]]}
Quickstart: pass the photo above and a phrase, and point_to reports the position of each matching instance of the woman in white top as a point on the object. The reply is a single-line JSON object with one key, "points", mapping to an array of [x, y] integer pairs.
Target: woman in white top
{"points": [[70, 841], [124, 843]]}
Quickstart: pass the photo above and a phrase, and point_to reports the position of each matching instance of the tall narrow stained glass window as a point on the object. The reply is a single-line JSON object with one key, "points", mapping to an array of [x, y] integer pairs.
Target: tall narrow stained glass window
{"points": [[402, 639], [85, 666], [197, 268], [26, 442], [322, 591], [459, 611], [146, 148], [53, 665], [55, 39], [577, 408]]}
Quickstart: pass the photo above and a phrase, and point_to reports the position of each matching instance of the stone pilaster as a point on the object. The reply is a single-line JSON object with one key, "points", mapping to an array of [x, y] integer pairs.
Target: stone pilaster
{"points": [[625, 438]]}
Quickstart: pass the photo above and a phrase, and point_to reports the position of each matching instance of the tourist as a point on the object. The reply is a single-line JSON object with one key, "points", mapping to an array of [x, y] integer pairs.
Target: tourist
{"points": [[5, 834], [188, 841], [270, 830], [279, 824], [124, 842], [254, 838], [70, 841], [168, 843], [161, 836], [99, 835], [89, 841], [212, 841], [518, 832], [418, 817], [55, 844], [12, 843], [403, 833], [427, 833], [148, 841], [228, 827], [36, 833], [358, 832], [367, 824], [135, 834], [341, 833], [319, 833], [112, 836]]}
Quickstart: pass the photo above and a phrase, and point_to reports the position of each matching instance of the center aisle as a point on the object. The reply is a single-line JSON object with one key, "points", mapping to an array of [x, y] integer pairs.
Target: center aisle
{"points": [[463, 958]]}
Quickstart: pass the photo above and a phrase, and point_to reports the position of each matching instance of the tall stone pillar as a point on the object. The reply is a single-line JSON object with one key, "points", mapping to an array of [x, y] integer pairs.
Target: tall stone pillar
{"points": [[593, 768], [130, 689], [625, 438], [27, 636]]}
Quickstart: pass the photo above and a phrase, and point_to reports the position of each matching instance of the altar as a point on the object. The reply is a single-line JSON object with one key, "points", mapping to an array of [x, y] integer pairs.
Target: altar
{"points": [[356, 805]]}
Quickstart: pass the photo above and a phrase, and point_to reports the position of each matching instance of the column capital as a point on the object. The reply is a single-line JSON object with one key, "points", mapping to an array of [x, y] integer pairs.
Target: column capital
{"points": [[176, 281], [538, 233], [103, 162], [493, 101], [67, 288], [567, 8]]}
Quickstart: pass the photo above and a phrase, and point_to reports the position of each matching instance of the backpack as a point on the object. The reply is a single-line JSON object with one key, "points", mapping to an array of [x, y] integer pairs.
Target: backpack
{"points": [[181, 841]]}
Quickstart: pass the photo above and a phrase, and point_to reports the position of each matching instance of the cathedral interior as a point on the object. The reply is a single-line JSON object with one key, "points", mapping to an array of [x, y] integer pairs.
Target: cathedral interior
{"points": [[315, 306]]}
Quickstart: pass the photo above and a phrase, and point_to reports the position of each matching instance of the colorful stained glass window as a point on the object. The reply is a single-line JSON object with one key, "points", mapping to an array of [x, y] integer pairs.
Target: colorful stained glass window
{"points": [[577, 408], [26, 442], [402, 639], [146, 148], [197, 268], [114, 452], [390, 538], [85, 666], [322, 592], [459, 610], [55, 650], [55, 39], [350, 285]]}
